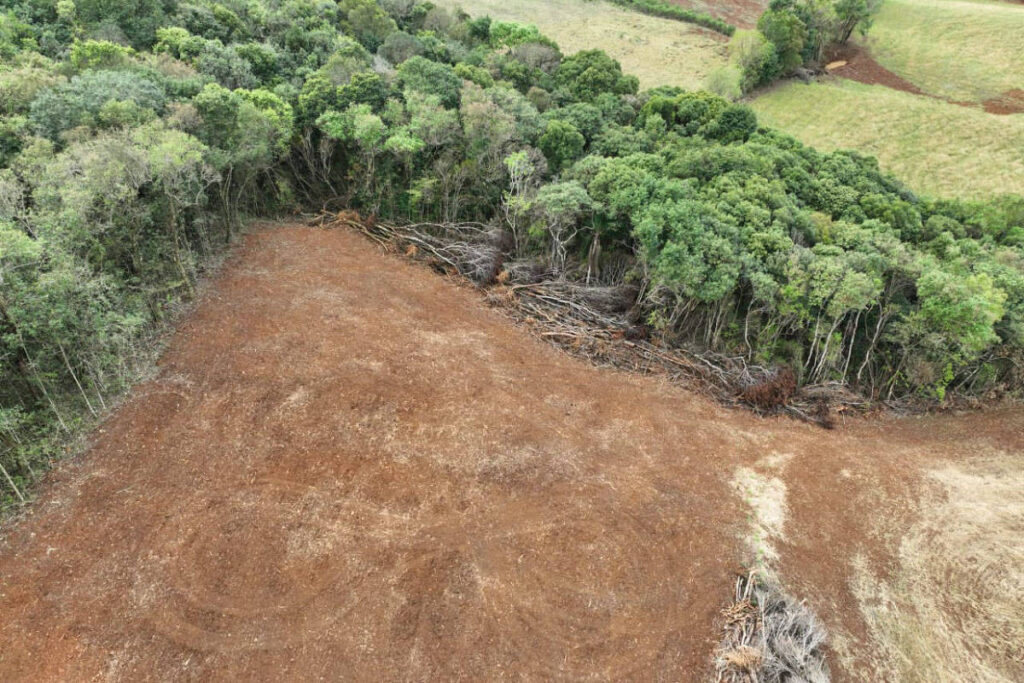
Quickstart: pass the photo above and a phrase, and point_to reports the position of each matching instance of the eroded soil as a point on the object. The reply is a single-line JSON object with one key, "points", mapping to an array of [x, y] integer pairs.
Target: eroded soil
{"points": [[860, 66], [349, 467]]}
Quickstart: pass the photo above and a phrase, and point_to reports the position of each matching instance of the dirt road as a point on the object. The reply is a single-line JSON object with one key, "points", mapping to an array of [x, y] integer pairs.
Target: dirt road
{"points": [[349, 467]]}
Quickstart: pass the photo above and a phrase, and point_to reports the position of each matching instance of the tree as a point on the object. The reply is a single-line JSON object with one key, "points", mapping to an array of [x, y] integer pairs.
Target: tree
{"points": [[98, 54], [561, 144], [560, 208], [400, 46], [784, 29], [137, 19], [370, 24], [422, 75], [589, 73], [756, 57], [364, 87], [516, 202], [854, 15], [77, 102]]}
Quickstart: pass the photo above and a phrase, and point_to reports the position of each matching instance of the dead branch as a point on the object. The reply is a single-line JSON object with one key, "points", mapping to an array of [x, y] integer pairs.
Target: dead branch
{"points": [[596, 322]]}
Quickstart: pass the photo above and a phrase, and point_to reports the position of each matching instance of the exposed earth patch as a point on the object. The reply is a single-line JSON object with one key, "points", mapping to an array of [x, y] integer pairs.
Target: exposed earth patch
{"points": [[348, 465]]}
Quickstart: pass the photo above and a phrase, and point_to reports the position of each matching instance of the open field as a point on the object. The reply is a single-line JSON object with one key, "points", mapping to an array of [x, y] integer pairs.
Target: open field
{"points": [[739, 13], [348, 465], [933, 146], [963, 50], [958, 588], [657, 51]]}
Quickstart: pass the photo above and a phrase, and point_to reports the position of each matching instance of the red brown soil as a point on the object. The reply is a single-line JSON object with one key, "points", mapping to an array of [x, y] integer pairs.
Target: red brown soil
{"points": [[348, 467], [861, 67], [1010, 102], [739, 13]]}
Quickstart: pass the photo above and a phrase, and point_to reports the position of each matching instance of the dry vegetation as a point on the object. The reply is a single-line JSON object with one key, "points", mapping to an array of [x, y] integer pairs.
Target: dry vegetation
{"points": [[952, 609], [769, 636], [657, 51], [595, 320]]}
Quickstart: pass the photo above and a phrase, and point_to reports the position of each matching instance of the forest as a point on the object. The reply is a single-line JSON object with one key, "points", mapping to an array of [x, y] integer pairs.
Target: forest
{"points": [[137, 137]]}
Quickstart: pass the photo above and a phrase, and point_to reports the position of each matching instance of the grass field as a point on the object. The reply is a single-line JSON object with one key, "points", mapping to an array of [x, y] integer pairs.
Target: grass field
{"points": [[657, 51], [965, 50], [934, 147]]}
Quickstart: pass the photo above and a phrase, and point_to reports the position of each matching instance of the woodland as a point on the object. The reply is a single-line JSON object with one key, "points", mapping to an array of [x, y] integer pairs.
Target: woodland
{"points": [[137, 137]]}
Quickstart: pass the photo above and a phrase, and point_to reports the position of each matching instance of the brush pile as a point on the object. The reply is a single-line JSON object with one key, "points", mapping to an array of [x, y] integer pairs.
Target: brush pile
{"points": [[768, 637], [599, 321]]}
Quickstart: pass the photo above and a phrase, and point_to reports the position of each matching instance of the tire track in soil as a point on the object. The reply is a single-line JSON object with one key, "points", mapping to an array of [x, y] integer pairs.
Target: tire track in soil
{"points": [[349, 467]]}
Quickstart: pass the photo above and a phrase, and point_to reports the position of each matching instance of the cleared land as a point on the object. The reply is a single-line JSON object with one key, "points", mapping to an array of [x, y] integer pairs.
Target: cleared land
{"points": [[933, 146], [963, 50], [741, 13], [348, 467], [657, 51]]}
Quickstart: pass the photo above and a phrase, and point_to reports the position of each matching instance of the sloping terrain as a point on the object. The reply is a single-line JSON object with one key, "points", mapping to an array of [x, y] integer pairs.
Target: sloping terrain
{"points": [[657, 51], [935, 147], [962, 50], [739, 13], [350, 467], [941, 114]]}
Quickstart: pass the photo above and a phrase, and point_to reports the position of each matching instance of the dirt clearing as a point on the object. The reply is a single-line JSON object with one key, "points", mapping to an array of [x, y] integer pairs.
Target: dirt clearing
{"points": [[350, 467]]}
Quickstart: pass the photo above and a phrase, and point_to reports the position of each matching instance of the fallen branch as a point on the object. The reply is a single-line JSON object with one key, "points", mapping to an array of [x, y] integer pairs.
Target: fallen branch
{"points": [[591, 321], [769, 637]]}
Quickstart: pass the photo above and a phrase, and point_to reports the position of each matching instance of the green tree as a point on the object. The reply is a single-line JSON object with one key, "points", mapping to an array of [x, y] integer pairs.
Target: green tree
{"points": [[422, 75], [560, 208], [589, 73], [561, 143]]}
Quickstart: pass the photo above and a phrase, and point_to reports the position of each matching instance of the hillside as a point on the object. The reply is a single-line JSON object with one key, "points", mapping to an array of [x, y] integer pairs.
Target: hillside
{"points": [[374, 339], [348, 465], [970, 153], [959, 55], [977, 56], [657, 51]]}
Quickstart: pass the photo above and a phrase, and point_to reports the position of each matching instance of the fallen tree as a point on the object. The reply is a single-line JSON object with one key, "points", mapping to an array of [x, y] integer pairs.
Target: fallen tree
{"points": [[597, 322]]}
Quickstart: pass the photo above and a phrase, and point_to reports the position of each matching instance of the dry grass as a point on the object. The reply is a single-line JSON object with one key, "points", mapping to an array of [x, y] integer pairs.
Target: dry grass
{"points": [[766, 496], [952, 609], [966, 50], [934, 147], [657, 51]]}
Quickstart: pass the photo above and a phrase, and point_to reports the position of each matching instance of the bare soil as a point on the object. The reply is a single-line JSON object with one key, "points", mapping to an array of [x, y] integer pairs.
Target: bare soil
{"points": [[740, 13], [1010, 102], [861, 67], [349, 467]]}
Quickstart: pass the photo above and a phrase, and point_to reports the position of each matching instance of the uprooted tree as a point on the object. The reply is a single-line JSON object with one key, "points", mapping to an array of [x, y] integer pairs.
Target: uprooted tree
{"points": [[132, 144]]}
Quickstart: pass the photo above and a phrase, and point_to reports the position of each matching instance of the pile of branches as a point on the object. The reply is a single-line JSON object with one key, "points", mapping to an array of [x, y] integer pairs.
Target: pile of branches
{"points": [[473, 250], [599, 322], [768, 636]]}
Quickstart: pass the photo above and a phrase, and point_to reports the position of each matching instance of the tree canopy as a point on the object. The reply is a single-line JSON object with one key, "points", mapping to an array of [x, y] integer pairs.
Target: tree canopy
{"points": [[135, 136]]}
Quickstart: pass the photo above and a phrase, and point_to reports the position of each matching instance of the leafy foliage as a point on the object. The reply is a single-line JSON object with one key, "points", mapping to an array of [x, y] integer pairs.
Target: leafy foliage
{"points": [[795, 33], [133, 139]]}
